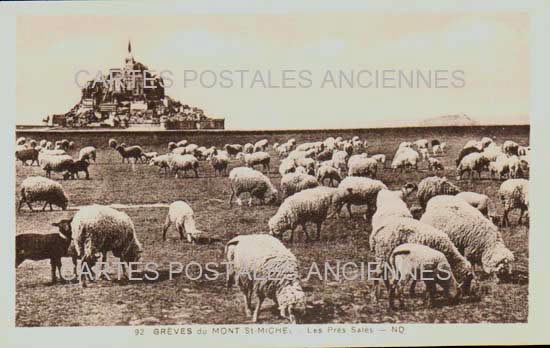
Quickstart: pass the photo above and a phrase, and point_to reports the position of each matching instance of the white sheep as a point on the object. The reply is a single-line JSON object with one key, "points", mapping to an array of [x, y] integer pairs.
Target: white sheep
{"points": [[510, 147], [424, 153], [436, 150], [306, 162], [256, 158], [287, 166], [244, 179], [361, 165], [295, 182], [400, 230], [363, 192], [161, 161], [261, 145], [492, 152], [182, 143], [325, 172], [21, 141], [54, 163], [182, 216], [475, 144], [99, 229], [472, 163], [476, 200], [248, 148], [486, 142], [389, 205], [419, 262], [477, 238], [260, 264], [380, 158], [220, 162], [185, 163], [88, 153], [405, 157], [150, 155], [40, 189], [311, 205], [514, 193], [432, 186], [421, 143]]}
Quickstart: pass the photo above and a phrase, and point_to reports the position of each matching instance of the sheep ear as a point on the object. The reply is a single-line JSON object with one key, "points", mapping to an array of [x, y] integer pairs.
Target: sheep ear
{"points": [[56, 224]]}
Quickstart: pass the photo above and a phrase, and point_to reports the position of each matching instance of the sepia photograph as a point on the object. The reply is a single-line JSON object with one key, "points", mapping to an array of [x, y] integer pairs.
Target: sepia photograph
{"points": [[295, 174]]}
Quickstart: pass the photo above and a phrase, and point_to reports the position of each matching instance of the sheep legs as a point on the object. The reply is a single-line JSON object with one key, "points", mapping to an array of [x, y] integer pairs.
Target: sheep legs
{"points": [[257, 309], [21, 203], [522, 211], [248, 303], [165, 227]]}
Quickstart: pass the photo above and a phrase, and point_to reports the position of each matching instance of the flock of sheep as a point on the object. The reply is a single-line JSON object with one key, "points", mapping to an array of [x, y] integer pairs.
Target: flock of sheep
{"points": [[449, 230]]}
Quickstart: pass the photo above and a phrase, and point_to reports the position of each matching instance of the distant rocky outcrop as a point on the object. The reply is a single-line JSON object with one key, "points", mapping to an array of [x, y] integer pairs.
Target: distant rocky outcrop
{"points": [[448, 120]]}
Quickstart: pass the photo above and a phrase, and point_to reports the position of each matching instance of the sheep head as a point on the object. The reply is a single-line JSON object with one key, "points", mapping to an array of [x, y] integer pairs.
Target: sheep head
{"points": [[292, 304], [64, 227]]}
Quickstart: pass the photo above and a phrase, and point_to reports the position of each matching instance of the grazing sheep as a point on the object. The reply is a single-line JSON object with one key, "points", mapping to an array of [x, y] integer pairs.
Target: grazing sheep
{"points": [[380, 158], [261, 145], [308, 163], [514, 167], [294, 182], [287, 166], [412, 261], [432, 186], [182, 215], [130, 152], [361, 165], [171, 146], [275, 271], [400, 230], [328, 172], [436, 150], [182, 143], [149, 155], [248, 148], [475, 237], [308, 146], [404, 144], [88, 153], [476, 200], [54, 163], [311, 205], [510, 148], [99, 229], [40, 189], [162, 161], [185, 163], [42, 246], [474, 144], [283, 149], [296, 154], [363, 192], [514, 193], [434, 164], [499, 167], [324, 155], [443, 147], [245, 179], [256, 158], [474, 162], [220, 162], [492, 152], [405, 157], [389, 205], [25, 155], [421, 144], [113, 143], [486, 142], [77, 166], [465, 152]]}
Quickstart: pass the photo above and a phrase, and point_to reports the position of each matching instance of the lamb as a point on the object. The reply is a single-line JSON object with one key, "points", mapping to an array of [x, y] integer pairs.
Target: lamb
{"points": [[25, 155], [248, 148], [514, 193], [400, 230], [182, 215], [311, 205], [77, 166], [40, 189], [412, 261], [434, 164], [185, 163], [476, 200], [405, 157], [42, 246], [432, 186], [245, 179], [162, 161], [260, 145], [233, 149], [99, 229], [256, 158], [88, 153], [475, 237], [135, 152], [465, 152], [54, 163], [359, 165], [510, 148], [474, 162], [364, 191], [275, 274], [294, 182], [328, 172], [220, 162]]}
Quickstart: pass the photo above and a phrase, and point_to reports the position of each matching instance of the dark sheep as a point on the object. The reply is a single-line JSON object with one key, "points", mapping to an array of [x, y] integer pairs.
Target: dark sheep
{"points": [[42, 246], [435, 142], [75, 167], [465, 152], [25, 155], [130, 152]]}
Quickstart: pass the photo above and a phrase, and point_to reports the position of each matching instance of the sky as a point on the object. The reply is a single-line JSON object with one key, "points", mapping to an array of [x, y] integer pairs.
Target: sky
{"points": [[488, 52]]}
